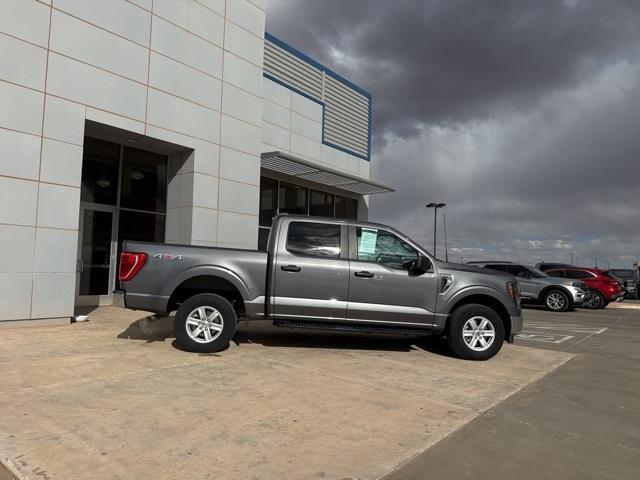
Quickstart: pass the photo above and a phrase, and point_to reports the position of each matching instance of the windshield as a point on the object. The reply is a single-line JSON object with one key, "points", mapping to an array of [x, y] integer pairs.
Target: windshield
{"points": [[535, 272], [621, 273]]}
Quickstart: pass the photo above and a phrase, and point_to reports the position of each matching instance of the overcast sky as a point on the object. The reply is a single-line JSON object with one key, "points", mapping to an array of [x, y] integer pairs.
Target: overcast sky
{"points": [[523, 116]]}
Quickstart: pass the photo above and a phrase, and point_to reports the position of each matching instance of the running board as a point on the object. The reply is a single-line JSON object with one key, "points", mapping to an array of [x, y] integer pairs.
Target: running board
{"points": [[351, 327]]}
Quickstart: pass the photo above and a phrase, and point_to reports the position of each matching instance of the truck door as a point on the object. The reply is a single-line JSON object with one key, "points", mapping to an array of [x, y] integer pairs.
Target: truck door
{"points": [[310, 271], [382, 285]]}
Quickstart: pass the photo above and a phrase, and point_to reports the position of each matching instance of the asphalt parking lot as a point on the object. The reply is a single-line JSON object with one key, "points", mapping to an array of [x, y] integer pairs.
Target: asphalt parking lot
{"points": [[582, 421], [114, 398]]}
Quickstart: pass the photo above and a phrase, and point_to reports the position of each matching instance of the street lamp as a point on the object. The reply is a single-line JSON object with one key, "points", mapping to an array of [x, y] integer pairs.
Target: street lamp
{"points": [[435, 207]]}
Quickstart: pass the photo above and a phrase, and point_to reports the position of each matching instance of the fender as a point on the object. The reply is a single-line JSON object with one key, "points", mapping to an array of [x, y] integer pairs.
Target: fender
{"points": [[472, 290], [210, 271]]}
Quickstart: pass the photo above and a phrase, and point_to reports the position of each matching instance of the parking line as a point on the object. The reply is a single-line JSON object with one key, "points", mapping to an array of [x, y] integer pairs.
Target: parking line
{"points": [[544, 338], [568, 328]]}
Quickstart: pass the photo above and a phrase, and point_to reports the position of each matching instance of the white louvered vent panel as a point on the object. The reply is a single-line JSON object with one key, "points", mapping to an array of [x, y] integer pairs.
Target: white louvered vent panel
{"points": [[346, 122], [346, 111], [287, 67]]}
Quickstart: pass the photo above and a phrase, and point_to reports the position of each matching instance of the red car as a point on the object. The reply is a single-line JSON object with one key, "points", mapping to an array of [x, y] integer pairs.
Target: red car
{"points": [[605, 288]]}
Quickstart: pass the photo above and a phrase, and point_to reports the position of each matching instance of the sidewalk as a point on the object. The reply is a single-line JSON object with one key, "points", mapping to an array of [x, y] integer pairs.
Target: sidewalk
{"points": [[113, 398]]}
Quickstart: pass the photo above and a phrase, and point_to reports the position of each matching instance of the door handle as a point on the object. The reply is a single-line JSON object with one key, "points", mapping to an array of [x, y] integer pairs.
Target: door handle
{"points": [[290, 268], [364, 274]]}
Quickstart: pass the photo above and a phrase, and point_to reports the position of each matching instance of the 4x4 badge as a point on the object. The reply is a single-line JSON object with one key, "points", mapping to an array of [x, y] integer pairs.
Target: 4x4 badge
{"points": [[167, 256]]}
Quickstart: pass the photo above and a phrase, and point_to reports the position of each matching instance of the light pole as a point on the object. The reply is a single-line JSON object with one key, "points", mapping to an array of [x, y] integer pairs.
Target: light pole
{"points": [[596, 260], [571, 258], [435, 207], [446, 247]]}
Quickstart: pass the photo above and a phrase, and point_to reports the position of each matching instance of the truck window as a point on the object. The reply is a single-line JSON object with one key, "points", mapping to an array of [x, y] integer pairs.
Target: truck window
{"points": [[382, 247], [314, 239]]}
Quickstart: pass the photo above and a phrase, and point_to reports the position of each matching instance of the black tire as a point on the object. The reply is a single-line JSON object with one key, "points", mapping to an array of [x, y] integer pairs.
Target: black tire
{"points": [[219, 340], [556, 301], [457, 322], [596, 301]]}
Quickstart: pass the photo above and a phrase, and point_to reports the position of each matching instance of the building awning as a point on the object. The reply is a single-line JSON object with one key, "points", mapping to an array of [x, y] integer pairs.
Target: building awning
{"points": [[297, 167]]}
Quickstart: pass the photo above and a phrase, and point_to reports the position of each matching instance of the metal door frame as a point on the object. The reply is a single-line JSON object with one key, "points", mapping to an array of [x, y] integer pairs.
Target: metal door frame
{"points": [[97, 300]]}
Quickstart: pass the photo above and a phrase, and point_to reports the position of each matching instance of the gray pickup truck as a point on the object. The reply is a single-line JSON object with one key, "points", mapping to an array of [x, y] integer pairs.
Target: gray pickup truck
{"points": [[322, 273]]}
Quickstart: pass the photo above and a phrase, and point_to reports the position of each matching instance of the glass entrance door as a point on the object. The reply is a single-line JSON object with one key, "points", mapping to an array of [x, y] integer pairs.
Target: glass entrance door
{"points": [[123, 197], [96, 256]]}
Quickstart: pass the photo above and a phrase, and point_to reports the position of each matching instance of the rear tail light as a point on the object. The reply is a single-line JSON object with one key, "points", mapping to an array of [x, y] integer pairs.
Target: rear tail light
{"points": [[130, 265]]}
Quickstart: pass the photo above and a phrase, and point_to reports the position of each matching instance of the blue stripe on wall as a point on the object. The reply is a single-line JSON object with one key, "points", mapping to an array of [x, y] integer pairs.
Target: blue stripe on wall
{"points": [[294, 51]]}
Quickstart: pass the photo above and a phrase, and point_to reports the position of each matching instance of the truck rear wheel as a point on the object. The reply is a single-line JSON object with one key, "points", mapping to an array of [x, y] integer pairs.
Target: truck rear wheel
{"points": [[205, 323], [475, 332]]}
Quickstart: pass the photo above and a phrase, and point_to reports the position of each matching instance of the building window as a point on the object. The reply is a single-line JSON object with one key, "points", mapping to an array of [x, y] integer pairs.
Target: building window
{"points": [[282, 197], [292, 199], [268, 201], [140, 227], [100, 172], [144, 180], [321, 204], [346, 208]]}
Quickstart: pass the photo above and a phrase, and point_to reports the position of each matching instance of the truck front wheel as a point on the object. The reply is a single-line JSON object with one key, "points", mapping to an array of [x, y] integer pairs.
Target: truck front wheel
{"points": [[205, 323], [475, 332]]}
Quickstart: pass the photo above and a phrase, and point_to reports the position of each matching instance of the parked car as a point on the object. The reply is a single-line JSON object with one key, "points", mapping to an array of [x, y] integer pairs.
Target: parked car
{"points": [[325, 274], [629, 280], [544, 266], [557, 295], [603, 288]]}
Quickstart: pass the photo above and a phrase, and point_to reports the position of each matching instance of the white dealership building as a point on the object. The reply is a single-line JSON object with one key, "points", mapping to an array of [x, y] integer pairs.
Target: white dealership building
{"points": [[177, 121]]}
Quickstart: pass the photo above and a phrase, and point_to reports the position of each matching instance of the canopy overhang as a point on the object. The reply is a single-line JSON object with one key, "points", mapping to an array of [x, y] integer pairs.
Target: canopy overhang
{"points": [[297, 167]]}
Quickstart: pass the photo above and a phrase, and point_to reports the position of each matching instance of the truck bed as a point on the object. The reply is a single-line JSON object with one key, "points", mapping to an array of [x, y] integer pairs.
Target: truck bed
{"points": [[168, 266]]}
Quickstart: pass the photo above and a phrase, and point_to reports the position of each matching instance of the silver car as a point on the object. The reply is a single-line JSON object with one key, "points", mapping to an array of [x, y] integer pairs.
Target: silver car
{"points": [[556, 294]]}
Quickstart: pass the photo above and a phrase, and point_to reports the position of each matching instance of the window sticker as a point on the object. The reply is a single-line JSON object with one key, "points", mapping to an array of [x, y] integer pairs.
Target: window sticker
{"points": [[368, 241]]}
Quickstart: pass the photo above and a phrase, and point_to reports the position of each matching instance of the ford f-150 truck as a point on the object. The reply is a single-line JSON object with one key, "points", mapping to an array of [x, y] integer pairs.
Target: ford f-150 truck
{"points": [[322, 274]]}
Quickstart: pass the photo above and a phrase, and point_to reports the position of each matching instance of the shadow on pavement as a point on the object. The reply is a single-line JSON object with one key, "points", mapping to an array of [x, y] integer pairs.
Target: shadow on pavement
{"points": [[160, 328], [277, 337], [150, 329]]}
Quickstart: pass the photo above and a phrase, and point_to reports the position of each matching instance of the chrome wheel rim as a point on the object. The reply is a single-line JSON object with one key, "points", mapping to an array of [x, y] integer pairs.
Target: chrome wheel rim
{"points": [[555, 301], [204, 324], [478, 333]]}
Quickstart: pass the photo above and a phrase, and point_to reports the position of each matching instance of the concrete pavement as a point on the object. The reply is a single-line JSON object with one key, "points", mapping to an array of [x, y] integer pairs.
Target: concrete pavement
{"points": [[580, 422], [113, 398]]}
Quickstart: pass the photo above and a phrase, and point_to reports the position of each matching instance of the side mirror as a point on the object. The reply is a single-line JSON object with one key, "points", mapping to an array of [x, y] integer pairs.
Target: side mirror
{"points": [[422, 264]]}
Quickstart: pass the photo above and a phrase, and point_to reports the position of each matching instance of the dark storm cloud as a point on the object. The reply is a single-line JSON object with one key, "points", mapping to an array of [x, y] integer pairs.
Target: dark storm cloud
{"points": [[444, 61], [524, 116]]}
